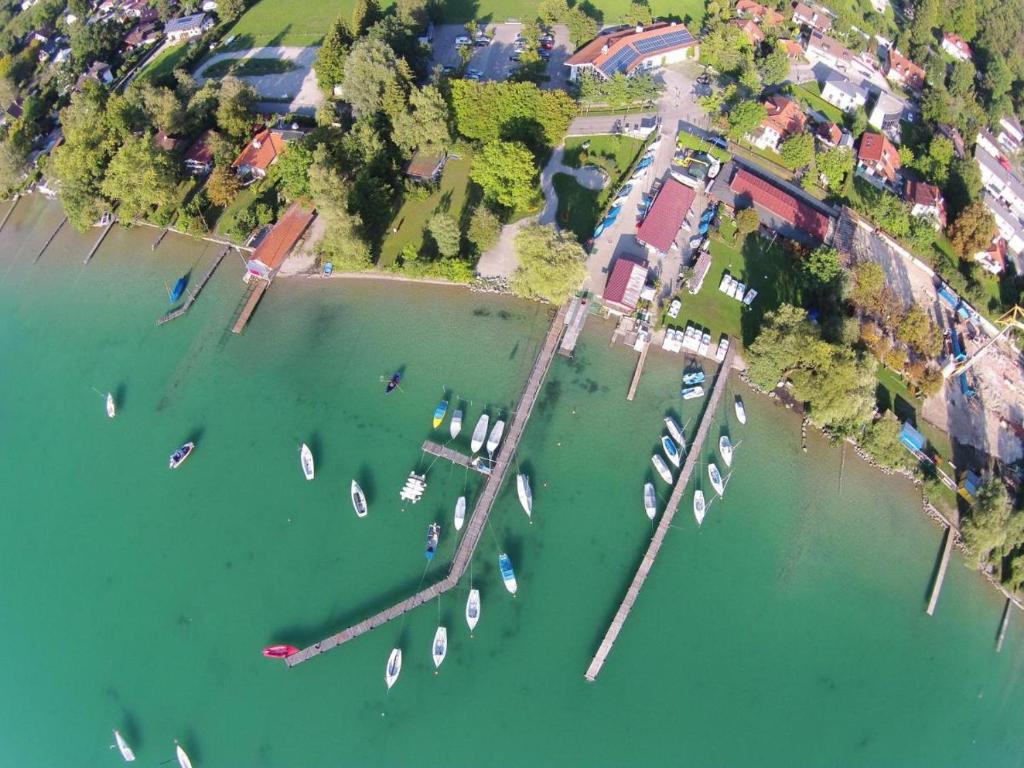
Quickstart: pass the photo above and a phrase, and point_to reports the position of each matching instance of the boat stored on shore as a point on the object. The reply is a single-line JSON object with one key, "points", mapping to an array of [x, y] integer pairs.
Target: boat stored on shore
{"points": [[725, 448], [439, 413], [693, 377], [741, 411], [479, 433], [179, 456], [473, 609], [433, 534], [455, 425], [394, 667], [111, 407], [440, 646], [662, 467], [716, 479], [358, 500], [699, 506], [525, 494], [460, 513], [677, 433], [671, 452], [123, 748], [306, 460], [508, 576], [495, 438], [650, 500]]}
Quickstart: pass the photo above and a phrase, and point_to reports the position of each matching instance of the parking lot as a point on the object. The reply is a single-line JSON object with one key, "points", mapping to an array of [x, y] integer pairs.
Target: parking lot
{"points": [[494, 61]]}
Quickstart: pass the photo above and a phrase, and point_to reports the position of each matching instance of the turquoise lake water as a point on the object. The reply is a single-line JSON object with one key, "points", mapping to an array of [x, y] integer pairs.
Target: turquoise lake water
{"points": [[788, 630]]}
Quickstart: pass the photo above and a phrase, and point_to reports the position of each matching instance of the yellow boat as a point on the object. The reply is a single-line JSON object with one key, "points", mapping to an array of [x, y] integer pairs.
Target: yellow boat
{"points": [[439, 413]]}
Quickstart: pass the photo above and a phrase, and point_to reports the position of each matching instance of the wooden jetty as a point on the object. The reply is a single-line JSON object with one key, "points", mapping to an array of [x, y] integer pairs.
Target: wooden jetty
{"points": [[455, 457], [10, 211], [575, 319], [692, 459], [50, 239], [193, 294], [99, 240], [255, 294], [940, 575], [481, 511], [639, 370], [1003, 625], [160, 238]]}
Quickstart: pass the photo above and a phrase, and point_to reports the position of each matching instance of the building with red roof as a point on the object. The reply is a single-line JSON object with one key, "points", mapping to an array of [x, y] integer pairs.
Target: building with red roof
{"points": [[785, 118], [199, 157], [260, 153], [925, 200], [668, 211], [759, 13], [993, 259], [274, 248], [778, 209], [625, 283], [878, 158], [956, 47], [811, 17], [634, 50], [902, 71], [750, 29]]}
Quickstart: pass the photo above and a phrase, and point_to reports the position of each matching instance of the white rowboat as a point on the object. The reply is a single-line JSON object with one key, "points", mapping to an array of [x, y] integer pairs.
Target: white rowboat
{"points": [[725, 448], [111, 413], [525, 494], [394, 667], [650, 500], [699, 506], [440, 647], [716, 479], [306, 460], [662, 467], [123, 748], [479, 433], [741, 411], [473, 609], [676, 432], [456, 423], [460, 513], [183, 759], [358, 500], [495, 438]]}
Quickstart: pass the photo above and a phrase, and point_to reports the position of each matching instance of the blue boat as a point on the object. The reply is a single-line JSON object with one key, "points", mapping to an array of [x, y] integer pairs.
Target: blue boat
{"points": [[178, 289], [624, 192], [433, 534], [694, 377], [392, 383], [646, 162], [507, 574], [599, 229]]}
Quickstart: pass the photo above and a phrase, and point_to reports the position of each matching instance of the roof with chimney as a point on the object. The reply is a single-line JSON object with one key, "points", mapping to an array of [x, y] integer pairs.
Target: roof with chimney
{"points": [[784, 115], [922, 193], [262, 151], [905, 70], [876, 149]]}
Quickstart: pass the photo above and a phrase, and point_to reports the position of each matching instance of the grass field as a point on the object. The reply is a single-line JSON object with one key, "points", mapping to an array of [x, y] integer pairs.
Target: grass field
{"points": [[809, 94], [579, 208], [165, 62]]}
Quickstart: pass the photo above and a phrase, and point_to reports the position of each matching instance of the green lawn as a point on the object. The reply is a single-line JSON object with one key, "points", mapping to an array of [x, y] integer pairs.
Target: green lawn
{"points": [[578, 208], [411, 220], [684, 139], [244, 199], [164, 63], [615, 154], [809, 94]]}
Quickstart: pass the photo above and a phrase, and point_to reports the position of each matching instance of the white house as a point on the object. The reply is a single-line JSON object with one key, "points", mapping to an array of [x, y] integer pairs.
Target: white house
{"points": [[956, 47], [993, 259], [187, 27], [843, 93], [886, 115], [925, 200], [997, 174], [1011, 135]]}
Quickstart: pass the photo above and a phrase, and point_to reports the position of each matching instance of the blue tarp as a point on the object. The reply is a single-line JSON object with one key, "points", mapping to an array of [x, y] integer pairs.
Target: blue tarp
{"points": [[965, 386], [948, 296], [958, 348], [913, 439]]}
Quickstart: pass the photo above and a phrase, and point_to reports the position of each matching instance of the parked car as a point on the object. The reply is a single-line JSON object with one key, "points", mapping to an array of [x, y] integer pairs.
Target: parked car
{"points": [[462, 40], [482, 42], [474, 74], [515, 56], [718, 141]]}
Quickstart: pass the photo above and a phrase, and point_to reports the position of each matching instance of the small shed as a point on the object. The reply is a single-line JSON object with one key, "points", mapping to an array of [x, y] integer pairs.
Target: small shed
{"points": [[625, 285], [270, 254], [426, 166]]}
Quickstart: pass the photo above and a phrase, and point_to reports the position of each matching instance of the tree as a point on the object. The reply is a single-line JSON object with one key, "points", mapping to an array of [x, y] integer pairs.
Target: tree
{"points": [[413, 13], [369, 70], [164, 108], [484, 228], [331, 58], [223, 186], [965, 19], [582, 27], [823, 270], [229, 10], [916, 330], [998, 80], [507, 175], [745, 117], [343, 244], [972, 230], [991, 524], [798, 151], [445, 232], [773, 68], [856, 121], [13, 164], [964, 184], [926, 18], [835, 165], [235, 103], [426, 125], [638, 14], [552, 264], [747, 221], [140, 177], [95, 42], [512, 112], [882, 440], [365, 13], [292, 170], [727, 49]]}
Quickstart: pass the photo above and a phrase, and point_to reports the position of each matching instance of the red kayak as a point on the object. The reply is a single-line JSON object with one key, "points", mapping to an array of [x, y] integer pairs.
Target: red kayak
{"points": [[279, 651]]}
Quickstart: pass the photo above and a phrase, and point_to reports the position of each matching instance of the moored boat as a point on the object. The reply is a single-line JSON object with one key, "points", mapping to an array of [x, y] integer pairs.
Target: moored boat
{"points": [[358, 500], [433, 534], [479, 433], [669, 447], [460, 513], [677, 433], [650, 500], [306, 460], [178, 289], [699, 506], [725, 448], [741, 411], [111, 407], [393, 383], [183, 759], [394, 667], [495, 438], [507, 574], [716, 479], [473, 609], [279, 651], [524, 493], [693, 377], [179, 456], [439, 413], [455, 425], [662, 467], [123, 748], [440, 646], [690, 393]]}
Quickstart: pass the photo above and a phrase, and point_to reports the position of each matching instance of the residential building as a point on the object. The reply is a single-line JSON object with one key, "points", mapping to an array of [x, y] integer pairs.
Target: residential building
{"points": [[13, 112], [878, 160], [274, 248], [759, 13], [842, 92], [142, 34], [199, 157], [809, 16], [634, 50], [425, 166], [259, 154], [186, 27], [785, 118], [750, 29], [1009, 225], [925, 200], [98, 71], [824, 49], [886, 115], [625, 284], [1011, 134], [993, 258], [956, 47], [794, 51], [668, 211], [998, 175], [166, 142], [831, 135], [903, 72]]}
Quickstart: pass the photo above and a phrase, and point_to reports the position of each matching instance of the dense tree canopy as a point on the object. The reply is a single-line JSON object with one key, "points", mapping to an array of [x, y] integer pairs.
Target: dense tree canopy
{"points": [[425, 124], [235, 105], [141, 176], [512, 112], [972, 230], [551, 264], [507, 175]]}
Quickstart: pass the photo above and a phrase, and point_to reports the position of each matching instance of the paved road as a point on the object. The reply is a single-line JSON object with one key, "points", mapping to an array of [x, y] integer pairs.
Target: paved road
{"points": [[295, 91]]}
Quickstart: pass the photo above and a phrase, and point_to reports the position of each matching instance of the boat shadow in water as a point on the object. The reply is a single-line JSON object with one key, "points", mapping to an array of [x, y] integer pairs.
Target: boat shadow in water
{"points": [[128, 726], [195, 435], [316, 445], [120, 394], [368, 482]]}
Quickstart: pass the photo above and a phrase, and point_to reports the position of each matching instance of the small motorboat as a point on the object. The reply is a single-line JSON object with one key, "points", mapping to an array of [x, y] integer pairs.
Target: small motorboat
{"points": [[479, 433], [358, 500], [725, 448], [178, 289], [439, 412], [650, 500], [455, 425], [662, 467], [393, 383], [693, 377], [473, 609], [460, 513], [669, 447], [279, 651], [440, 647], [716, 479], [111, 407], [507, 574], [698, 506], [306, 460], [690, 393], [741, 411], [433, 534], [179, 456], [123, 748], [495, 438], [524, 493], [394, 667], [677, 434], [183, 759]]}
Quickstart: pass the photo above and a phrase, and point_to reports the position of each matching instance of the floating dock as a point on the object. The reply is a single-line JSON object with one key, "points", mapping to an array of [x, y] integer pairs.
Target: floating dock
{"points": [[575, 319], [255, 294], [194, 293], [940, 575], [481, 511], [612, 634], [455, 457]]}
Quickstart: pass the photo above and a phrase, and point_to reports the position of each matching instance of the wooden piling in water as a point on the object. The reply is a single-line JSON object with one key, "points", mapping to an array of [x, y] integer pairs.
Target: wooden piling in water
{"points": [[99, 241], [1002, 626], [160, 238], [619, 621], [50, 239], [9, 212], [940, 575]]}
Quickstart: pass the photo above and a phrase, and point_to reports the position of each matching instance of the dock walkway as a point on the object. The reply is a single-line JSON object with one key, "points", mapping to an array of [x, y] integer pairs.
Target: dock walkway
{"points": [[481, 511], [664, 524], [455, 457], [194, 293], [255, 294], [940, 576], [575, 319]]}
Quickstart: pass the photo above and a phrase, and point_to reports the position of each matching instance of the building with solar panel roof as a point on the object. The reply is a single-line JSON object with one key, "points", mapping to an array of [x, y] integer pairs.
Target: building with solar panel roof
{"points": [[634, 50]]}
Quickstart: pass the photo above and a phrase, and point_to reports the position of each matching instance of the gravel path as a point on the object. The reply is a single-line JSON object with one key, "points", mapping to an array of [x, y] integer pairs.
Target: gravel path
{"points": [[294, 91]]}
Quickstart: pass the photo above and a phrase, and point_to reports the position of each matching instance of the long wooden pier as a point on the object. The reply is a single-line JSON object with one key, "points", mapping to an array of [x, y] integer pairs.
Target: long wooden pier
{"points": [[99, 240], [50, 239], [940, 575], [481, 511], [637, 373], [194, 293], [455, 457], [10, 211], [692, 458], [255, 295]]}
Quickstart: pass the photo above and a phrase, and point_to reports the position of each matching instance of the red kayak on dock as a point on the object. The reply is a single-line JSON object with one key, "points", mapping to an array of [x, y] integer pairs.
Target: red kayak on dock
{"points": [[279, 651]]}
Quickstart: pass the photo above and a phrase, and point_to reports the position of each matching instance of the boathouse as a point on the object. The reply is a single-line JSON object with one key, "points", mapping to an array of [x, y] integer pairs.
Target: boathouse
{"points": [[274, 248], [661, 224], [625, 284]]}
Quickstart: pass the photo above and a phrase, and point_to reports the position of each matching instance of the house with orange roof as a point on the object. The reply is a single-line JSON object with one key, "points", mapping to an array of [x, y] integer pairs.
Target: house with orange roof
{"points": [[785, 119], [878, 160], [993, 258], [793, 49], [759, 13], [275, 246], [925, 200], [902, 71], [259, 154], [750, 29], [638, 49], [956, 47]]}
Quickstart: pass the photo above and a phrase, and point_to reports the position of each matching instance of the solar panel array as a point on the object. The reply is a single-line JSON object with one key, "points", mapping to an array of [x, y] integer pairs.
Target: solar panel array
{"points": [[622, 60]]}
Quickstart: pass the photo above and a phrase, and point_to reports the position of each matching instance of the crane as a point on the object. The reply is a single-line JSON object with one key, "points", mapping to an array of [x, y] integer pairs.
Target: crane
{"points": [[1013, 320]]}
